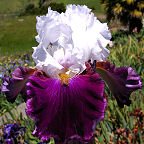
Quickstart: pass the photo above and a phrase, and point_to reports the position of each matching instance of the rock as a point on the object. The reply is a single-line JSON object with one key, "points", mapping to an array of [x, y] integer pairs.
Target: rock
{"points": [[15, 112]]}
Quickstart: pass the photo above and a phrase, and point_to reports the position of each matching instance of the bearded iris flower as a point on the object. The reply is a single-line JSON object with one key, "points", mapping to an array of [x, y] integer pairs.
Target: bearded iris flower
{"points": [[65, 91]]}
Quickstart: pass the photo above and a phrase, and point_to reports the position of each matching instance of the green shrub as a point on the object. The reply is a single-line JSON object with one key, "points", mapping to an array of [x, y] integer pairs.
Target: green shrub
{"points": [[30, 10], [59, 7], [43, 9], [41, 3], [29, 7], [129, 12]]}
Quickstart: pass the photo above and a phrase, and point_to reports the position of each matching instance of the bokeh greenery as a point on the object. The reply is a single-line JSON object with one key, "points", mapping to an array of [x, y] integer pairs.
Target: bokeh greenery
{"points": [[17, 35], [129, 12]]}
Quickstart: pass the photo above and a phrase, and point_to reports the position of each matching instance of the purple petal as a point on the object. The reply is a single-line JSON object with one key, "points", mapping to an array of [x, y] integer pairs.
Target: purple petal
{"points": [[121, 81], [65, 111], [9, 141], [12, 87], [90, 68], [13, 131]]}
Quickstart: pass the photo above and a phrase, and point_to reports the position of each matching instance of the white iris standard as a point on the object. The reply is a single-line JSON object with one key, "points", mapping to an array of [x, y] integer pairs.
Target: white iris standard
{"points": [[68, 40]]}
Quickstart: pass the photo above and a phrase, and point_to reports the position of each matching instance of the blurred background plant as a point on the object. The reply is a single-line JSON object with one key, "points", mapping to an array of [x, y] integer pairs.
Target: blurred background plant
{"points": [[12, 133], [6, 68], [129, 12], [19, 131], [43, 8]]}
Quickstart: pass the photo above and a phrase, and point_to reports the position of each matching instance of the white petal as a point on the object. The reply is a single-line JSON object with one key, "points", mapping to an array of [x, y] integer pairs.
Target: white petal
{"points": [[69, 39], [46, 62], [51, 33]]}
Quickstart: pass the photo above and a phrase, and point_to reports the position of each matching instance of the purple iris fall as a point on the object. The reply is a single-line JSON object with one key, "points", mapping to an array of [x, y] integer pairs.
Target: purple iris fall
{"points": [[65, 92]]}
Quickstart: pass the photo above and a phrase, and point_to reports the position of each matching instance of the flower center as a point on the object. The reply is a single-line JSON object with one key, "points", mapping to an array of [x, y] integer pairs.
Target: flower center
{"points": [[64, 78]]}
